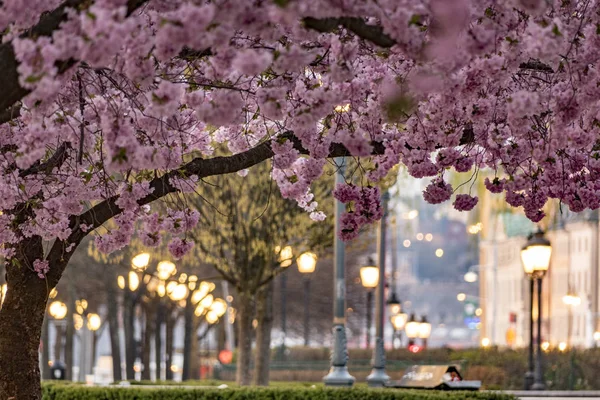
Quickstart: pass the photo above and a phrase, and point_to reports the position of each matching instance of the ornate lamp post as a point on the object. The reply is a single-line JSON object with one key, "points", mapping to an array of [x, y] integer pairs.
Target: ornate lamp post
{"points": [[338, 374], [369, 276], [378, 377], [535, 256], [307, 263]]}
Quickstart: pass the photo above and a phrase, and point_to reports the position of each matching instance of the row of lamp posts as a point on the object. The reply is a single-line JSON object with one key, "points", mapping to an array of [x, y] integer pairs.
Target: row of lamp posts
{"points": [[187, 291], [338, 374], [307, 263], [414, 329]]}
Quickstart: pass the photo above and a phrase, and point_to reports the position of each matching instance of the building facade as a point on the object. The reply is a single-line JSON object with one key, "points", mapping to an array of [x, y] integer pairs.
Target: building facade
{"points": [[574, 266]]}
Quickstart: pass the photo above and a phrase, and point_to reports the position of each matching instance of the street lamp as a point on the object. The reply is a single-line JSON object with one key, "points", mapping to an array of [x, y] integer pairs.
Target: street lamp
{"points": [[307, 263], [57, 310], [535, 256], [369, 276], [398, 323], [338, 373], [412, 329], [394, 305], [424, 330], [93, 322], [140, 262], [284, 257]]}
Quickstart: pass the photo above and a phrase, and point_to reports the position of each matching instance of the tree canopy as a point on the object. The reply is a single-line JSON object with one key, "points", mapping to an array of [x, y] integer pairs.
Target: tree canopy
{"points": [[109, 105]]}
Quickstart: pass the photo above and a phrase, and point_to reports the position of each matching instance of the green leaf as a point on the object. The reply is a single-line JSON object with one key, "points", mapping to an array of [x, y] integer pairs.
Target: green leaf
{"points": [[556, 31]]}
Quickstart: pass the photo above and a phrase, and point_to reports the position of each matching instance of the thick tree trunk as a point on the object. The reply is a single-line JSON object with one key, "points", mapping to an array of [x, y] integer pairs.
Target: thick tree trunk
{"points": [[264, 315], [147, 344], [70, 328], [113, 326], [244, 317], [129, 316], [21, 320], [188, 333], [170, 323]]}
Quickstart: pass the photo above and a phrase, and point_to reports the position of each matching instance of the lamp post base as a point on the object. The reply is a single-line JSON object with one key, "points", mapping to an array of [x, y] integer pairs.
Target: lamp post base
{"points": [[339, 377], [538, 386], [377, 378], [528, 380]]}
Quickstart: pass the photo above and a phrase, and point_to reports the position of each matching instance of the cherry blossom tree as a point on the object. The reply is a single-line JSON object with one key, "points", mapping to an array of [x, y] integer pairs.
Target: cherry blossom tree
{"points": [[109, 105]]}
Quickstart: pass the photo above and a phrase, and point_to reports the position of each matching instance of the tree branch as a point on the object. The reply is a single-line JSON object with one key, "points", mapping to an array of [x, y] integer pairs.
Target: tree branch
{"points": [[358, 26], [57, 159]]}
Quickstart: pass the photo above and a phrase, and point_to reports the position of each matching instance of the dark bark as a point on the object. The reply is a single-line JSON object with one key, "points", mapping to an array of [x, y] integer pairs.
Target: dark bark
{"points": [[169, 325], [58, 344], [264, 315], [221, 334], [70, 328], [94, 336], [188, 337], [195, 351], [147, 343], [129, 316], [21, 319], [45, 348], [113, 327], [244, 320], [158, 338]]}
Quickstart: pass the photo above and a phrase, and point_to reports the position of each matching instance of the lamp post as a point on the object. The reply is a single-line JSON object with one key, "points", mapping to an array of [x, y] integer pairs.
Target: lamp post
{"points": [[338, 374], [378, 377], [285, 260], [307, 263], [58, 311], [88, 340], [412, 329], [398, 322], [535, 256], [369, 276], [164, 271]]}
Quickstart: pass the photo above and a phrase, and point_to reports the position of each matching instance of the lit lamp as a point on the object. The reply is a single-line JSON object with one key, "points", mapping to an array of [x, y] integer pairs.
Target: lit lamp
{"points": [[412, 329], [398, 323], [424, 330], [369, 276], [57, 310], [140, 262], [93, 322], [535, 256], [285, 256], [571, 299], [165, 270], [307, 262], [394, 305]]}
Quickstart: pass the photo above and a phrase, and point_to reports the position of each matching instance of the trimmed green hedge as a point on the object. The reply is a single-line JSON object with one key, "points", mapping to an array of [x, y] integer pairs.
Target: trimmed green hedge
{"points": [[78, 392]]}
